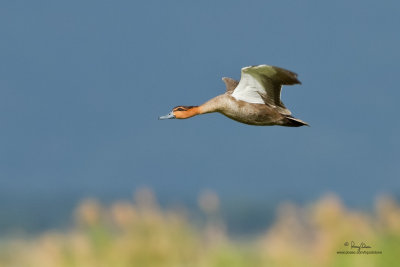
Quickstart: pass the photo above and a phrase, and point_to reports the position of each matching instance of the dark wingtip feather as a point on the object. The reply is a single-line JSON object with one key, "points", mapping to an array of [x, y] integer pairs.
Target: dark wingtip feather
{"points": [[286, 76], [294, 122]]}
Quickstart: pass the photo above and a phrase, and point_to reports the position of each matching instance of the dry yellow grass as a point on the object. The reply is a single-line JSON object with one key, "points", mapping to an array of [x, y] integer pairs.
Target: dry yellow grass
{"points": [[139, 234]]}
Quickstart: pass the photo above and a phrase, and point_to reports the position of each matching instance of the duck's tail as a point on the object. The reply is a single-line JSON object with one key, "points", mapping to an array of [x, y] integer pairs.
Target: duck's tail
{"points": [[289, 121]]}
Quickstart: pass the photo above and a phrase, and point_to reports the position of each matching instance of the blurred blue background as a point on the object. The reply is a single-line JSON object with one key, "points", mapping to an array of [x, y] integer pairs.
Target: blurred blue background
{"points": [[83, 82]]}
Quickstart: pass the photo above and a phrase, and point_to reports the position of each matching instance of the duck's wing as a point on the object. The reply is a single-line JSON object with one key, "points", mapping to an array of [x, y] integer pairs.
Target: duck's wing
{"points": [[230, 83], [262, 84]]}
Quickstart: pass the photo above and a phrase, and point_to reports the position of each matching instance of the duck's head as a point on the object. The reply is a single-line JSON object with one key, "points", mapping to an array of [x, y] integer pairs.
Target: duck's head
{"points": [[181, 112]]}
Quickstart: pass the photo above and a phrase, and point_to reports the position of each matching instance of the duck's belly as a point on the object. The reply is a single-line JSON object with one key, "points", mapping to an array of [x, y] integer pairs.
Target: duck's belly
{"points": [[253, 114], [252, 120]]}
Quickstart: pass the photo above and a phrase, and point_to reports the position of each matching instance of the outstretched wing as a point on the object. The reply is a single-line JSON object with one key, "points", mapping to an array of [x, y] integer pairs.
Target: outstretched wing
{"points": [[230, 83], [262, 84]]}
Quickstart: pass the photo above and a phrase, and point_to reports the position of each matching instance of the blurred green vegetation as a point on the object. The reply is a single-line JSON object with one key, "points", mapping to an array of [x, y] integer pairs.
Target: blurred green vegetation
{"points": [[140, 233]]}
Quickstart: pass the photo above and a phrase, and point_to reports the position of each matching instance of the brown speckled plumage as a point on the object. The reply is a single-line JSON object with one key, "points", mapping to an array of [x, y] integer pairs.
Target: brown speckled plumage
{"points": [[241, 111]]}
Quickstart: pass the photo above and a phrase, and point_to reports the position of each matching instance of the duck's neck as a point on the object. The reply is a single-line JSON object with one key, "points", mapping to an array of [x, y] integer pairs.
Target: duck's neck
{"points": [[211, 105]]}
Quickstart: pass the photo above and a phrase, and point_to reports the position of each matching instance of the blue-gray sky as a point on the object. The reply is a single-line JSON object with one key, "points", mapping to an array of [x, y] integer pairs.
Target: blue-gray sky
{"points": [[83, 82]]}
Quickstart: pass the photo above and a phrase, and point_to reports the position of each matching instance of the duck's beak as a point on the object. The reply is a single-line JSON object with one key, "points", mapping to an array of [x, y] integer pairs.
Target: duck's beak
{"points": [[169, 116]]}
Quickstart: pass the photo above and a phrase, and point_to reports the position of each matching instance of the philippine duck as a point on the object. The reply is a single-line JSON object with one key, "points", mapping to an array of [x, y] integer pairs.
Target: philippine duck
{"points": [[255, 100]]}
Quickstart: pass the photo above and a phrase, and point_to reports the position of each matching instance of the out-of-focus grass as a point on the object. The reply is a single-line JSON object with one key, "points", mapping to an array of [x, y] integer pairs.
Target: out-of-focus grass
{"points": [[142, 234]]}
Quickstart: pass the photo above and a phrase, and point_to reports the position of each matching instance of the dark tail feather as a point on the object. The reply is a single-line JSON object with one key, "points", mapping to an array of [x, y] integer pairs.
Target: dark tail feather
{"points": [[289, 121]]}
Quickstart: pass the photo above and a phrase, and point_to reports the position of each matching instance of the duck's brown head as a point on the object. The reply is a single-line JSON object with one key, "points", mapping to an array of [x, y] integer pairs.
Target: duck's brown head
{"points": [[181, 112]]}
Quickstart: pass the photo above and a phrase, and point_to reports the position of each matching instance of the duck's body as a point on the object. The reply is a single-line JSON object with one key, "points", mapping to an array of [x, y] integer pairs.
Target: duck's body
{"points": [[255, 100], [241, 111]]}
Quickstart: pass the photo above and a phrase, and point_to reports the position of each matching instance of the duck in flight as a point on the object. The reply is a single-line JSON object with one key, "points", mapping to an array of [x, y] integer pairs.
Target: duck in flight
{"points": [[255, 100]]}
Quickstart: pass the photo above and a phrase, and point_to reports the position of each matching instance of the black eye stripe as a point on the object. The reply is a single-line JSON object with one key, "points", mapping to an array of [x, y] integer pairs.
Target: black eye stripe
{"points": [[182, 108]]}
